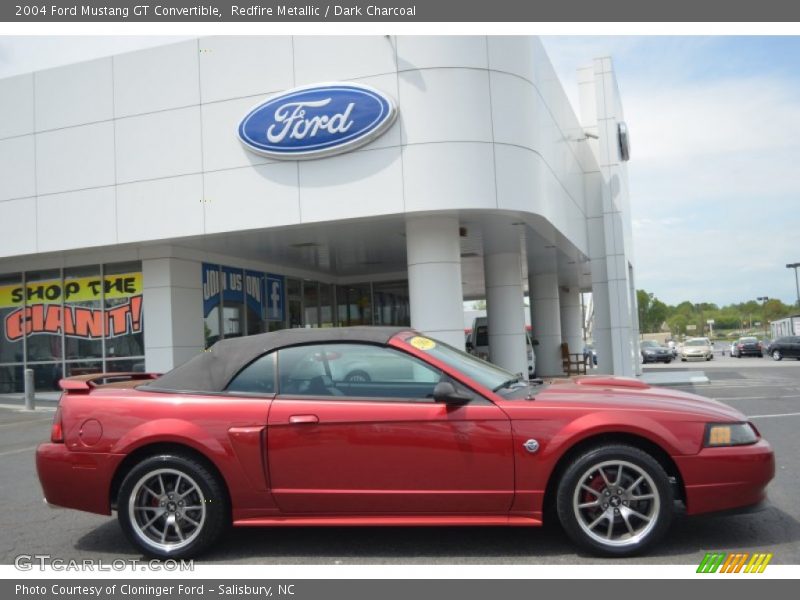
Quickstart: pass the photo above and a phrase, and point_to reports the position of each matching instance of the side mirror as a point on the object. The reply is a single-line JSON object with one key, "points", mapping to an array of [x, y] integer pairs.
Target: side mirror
{"points": [[446, 393]]}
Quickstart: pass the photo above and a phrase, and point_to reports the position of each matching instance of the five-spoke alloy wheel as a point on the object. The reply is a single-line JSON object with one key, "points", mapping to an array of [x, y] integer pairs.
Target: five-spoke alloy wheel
{"points": [[172, 506], [615, 500]]}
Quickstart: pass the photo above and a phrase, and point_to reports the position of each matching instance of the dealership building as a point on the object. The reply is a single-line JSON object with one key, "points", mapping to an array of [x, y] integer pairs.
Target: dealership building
{"points": [[156, 201]]}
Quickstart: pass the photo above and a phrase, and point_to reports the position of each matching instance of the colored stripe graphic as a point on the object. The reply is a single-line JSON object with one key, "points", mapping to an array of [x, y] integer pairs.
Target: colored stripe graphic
{"points": [[711, 562], [723, 562]]}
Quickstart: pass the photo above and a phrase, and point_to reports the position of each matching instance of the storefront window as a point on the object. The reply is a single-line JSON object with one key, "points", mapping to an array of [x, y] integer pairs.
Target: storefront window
{"points": [[67, 323], [232, 302], [124, 321], [211, 303], [326, 313], [354, 304], [12, 312], [83, 312], [390, 300], [310, 304], [43, 315], [254, 302], [294, 302]]}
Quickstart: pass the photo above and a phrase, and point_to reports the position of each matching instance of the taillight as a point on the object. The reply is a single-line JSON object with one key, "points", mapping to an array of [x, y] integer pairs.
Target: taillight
{"points": [[57, 430], [740, 346]]}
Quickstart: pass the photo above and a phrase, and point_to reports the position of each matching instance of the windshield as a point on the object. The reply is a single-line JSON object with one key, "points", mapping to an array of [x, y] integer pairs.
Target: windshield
{"points": [[748, 340], [485, 373], [697, 343], [649, 344]]}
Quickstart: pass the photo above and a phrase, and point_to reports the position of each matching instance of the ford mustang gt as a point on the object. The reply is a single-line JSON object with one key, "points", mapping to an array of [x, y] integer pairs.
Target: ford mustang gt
{"points": [[385, 426]]}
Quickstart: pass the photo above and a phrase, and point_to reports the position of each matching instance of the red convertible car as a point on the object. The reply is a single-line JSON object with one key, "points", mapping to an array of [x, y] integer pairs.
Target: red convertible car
{"points": [[384, 426]]}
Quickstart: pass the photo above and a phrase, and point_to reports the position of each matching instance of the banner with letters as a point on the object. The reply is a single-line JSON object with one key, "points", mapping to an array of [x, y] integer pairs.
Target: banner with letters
{"points": [[262, 292], [58, 306]]}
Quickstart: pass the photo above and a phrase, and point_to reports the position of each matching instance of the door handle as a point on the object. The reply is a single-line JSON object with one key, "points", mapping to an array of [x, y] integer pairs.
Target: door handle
{"points": [[303, 419]]}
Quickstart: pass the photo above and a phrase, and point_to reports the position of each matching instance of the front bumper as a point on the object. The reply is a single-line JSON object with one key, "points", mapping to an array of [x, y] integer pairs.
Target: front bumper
{"points": [[79, 480], [694, 356], [721, 479]]}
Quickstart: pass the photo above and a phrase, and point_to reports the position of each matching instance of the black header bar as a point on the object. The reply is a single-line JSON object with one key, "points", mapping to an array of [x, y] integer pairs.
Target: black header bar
{"points": [[410, 11]]}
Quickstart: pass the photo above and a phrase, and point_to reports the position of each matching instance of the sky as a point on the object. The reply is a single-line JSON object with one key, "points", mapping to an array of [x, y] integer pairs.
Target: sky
{"points": [[715, 160]]}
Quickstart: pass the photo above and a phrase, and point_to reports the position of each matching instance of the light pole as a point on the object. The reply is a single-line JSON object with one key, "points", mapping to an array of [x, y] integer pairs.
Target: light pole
{"points": [[796, 282], [763, 300]]}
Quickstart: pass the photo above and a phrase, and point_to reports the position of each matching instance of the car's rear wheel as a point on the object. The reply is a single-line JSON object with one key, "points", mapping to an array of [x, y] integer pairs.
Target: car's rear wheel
{"points": [[172, 506], [776, 355], [357, 376], [615, 500]]}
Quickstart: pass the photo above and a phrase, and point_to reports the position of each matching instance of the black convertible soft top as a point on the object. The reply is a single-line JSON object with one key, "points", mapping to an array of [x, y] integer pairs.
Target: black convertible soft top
{"points": [[212, 370]]}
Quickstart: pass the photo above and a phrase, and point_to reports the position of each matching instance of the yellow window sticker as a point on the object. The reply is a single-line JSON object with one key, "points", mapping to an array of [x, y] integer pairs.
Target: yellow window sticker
{"points": [[422, 343]]}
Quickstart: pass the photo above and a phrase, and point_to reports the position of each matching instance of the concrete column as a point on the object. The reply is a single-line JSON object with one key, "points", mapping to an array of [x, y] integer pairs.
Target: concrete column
{"points": [[172, 302], [569, 300], [505, 310], [434, 277], [546, 323]]}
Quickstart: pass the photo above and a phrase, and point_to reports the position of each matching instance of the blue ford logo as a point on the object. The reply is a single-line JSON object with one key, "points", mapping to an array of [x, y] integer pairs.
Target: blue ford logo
{"points": [[316, 121]]}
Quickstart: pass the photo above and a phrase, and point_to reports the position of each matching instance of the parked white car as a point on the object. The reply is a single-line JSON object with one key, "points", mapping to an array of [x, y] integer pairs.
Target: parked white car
{"points": [[478, 344], [697, 349]]}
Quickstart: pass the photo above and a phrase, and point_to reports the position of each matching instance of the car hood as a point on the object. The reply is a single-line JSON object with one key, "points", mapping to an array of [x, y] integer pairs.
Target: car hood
{"points": [[603, 392]]}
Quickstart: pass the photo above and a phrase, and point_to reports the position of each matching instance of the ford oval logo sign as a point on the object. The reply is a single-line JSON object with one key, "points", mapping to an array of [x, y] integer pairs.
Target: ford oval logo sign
{"points": [[316, 121]]}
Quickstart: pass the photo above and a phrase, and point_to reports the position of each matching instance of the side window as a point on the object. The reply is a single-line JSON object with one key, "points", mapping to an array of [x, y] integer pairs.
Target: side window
{"points": [[256, 378], [355, 371]]}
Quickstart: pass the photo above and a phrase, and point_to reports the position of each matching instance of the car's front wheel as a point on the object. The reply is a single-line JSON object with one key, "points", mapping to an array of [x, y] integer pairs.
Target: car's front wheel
{"points": [[172, 506], [776, 355], [615, 500]]}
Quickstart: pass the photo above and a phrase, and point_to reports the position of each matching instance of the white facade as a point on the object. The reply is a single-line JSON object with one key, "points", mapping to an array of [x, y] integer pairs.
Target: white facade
{"points": [[135, 157]]}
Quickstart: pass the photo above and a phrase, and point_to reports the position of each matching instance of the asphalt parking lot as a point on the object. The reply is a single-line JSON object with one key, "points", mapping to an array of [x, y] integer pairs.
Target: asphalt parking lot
{"points": [[767, 391]]}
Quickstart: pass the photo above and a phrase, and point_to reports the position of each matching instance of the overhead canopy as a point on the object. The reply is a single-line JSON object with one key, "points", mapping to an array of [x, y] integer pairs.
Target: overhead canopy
{"points": [[212, 370]]}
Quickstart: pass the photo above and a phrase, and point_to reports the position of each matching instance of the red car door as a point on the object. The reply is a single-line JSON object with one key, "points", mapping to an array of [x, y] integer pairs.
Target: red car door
{"points": [[358, 433]]}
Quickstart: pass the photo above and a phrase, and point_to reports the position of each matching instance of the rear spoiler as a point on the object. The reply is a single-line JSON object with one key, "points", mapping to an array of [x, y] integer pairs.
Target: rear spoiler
{"points": [[85, 383]]}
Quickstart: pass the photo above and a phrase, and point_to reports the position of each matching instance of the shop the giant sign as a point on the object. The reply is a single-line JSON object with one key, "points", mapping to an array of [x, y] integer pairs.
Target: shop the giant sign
{"points": [[316, 121], [74, 306]]}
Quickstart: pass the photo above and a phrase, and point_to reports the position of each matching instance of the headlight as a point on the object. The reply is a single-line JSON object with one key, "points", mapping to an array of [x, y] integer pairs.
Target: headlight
{"points": [[730, 434]]}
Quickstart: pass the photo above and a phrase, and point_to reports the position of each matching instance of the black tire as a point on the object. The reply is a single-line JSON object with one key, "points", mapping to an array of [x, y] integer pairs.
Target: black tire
{"points": [[357, 376], [777, 355], [212, 496], [660, 508]]}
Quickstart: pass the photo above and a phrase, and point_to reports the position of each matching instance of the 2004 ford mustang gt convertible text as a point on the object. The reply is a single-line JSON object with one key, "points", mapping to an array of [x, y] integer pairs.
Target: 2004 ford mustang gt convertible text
{"points": [[379, 426]]}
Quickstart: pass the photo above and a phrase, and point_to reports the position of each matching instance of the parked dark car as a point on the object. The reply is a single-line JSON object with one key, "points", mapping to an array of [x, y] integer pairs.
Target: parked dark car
{"points": [[655, 352], [748, 346], [785, 347]]}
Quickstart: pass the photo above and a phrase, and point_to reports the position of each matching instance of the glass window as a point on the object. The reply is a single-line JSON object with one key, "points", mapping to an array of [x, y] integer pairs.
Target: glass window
{"points": [[12, 323], [124, 315], [294, 302], [232, 302], [11, 379], [211, 304], [132, 365], [354, 304], [44, 326], [254, 294], [256, 378], [391, 306], [83, 312], [310, 304], [485, 373], [326, 305], [355, 370]]}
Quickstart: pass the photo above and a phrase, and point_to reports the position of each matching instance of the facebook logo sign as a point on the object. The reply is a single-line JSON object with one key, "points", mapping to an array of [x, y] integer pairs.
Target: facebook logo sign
{"points": [[274, 298]]}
